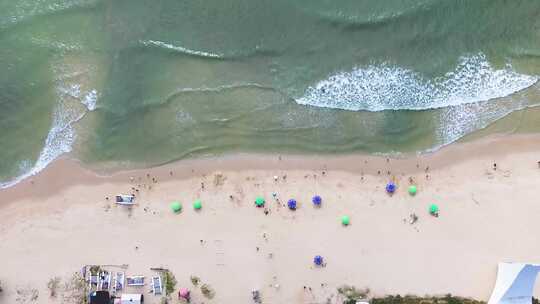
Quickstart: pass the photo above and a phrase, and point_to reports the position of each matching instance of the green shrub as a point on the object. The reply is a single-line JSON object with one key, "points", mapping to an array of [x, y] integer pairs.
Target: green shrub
{"points": [[447, 299], [170, 282]]}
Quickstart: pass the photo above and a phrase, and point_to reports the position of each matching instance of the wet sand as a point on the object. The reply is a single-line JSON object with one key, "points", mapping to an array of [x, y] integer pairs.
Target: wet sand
{"points": [[58, 221]]}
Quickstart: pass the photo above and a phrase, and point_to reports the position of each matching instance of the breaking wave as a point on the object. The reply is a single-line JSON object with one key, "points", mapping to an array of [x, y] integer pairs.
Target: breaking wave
{"points": [[62, 134], [388, 87]]}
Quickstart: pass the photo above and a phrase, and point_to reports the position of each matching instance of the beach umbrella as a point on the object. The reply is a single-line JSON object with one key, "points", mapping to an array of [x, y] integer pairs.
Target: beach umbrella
{"points": [[390, 188], [197, 205], [184, 293], [434, 209], [259, 201], [345, 220], [176, 207], [318, 260], [292, 204], [317, 200], [412, 190]]}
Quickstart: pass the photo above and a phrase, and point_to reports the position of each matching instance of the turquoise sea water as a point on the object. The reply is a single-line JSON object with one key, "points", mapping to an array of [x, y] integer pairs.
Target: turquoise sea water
{"points": [[146, 82]]}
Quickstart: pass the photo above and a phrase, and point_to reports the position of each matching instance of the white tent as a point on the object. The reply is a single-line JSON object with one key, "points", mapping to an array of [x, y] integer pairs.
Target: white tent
{"points": [[515, 283], [131, 298]]}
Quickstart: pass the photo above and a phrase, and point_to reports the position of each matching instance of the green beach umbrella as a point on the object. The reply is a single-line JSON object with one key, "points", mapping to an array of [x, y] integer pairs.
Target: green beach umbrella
{"points": [[412, 190], [345, 220], [433, 209], [197, 205], [176, 207], [259, 201]]}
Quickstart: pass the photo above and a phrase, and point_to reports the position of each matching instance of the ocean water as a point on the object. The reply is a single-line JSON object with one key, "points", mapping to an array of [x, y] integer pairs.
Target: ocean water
{"points": [[138, 83]]}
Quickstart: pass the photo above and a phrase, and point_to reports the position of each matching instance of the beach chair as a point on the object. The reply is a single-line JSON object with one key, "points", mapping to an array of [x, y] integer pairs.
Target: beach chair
{"points": [[119, 281], [125, 199], [157, 287], [135, 281]]}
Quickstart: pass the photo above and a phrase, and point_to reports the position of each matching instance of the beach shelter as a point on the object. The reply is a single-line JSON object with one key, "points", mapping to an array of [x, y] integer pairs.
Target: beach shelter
{"points": [[412, 190], [345, 220], [197, 205], [259, 201], [434, 209], [184, 294], [391, 188], [131, 298], [318, 260], [515, 283], [317, 200], [176, 207], [292, 204]]}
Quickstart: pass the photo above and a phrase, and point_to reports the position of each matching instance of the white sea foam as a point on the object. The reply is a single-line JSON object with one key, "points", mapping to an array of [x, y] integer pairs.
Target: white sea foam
{"points": [[90, 100], [180, 49], [387, 87], [58, 141], [62, 134]]}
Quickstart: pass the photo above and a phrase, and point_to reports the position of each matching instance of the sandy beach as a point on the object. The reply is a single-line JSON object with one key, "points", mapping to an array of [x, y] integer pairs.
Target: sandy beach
{"points": [[54, 223]]}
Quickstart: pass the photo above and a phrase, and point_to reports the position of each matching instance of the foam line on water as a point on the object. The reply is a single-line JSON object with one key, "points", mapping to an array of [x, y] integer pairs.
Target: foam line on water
{"points": [[180, 49], [389, 87]]}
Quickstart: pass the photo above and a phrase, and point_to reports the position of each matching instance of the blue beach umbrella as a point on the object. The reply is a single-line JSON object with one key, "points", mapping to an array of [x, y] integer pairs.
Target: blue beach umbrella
{"points": [[390, 188], [317, 200], [292, 204], [318, 260]]}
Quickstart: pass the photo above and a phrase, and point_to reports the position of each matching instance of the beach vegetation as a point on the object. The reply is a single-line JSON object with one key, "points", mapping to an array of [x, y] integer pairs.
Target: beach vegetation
{"points": [[26, 295], [195, 280], [53, 285], [95, 270], [75, 290], [409, 299], [207, 291], [170, 282], [351, 294]]}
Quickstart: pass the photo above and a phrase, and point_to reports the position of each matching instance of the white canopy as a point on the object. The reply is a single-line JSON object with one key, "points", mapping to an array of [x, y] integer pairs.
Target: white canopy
{"points": [[131, 298], [515, 283]]}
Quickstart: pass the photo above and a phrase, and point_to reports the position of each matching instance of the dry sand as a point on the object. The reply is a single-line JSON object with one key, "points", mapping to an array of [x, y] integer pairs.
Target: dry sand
{"points": [[53, 223]]}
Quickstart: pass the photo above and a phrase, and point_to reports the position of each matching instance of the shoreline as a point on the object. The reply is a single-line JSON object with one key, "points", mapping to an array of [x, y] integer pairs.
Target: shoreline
{"points": [[66, 171], [487, 216]]}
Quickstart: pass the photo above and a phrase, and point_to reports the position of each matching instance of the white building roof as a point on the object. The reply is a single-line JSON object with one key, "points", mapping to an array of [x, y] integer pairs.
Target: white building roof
{"points": [[515, 283]]}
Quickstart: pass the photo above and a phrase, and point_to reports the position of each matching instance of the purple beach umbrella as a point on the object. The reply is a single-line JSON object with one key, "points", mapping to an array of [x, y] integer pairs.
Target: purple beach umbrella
{"points": [[317, 200], [292, 204], [390, 188]]}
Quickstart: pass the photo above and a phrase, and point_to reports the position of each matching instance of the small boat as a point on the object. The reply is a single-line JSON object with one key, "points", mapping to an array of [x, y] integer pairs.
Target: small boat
{"points": [[125, 199], [135, 281], [157, 287], [119, 281]]}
